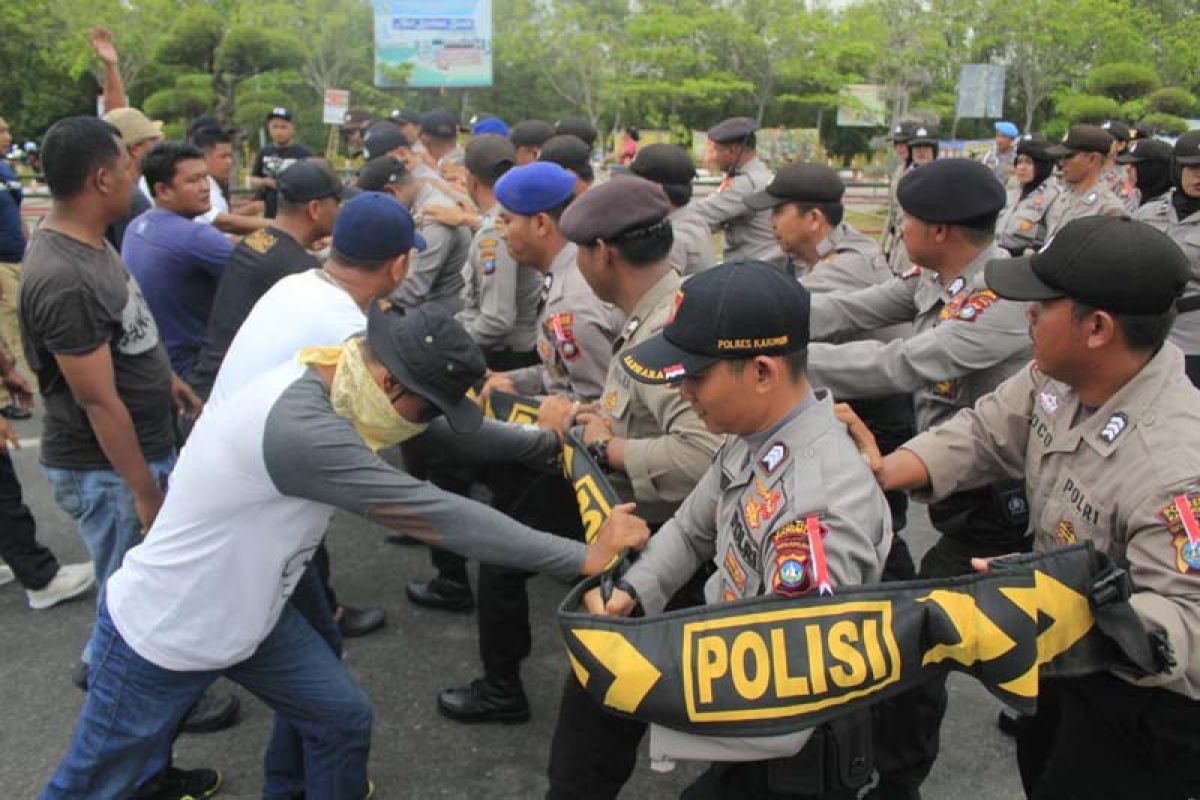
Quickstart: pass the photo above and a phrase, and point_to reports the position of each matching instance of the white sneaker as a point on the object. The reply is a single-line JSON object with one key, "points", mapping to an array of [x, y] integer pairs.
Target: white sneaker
{"points": [[6, 574], [72, 580]]}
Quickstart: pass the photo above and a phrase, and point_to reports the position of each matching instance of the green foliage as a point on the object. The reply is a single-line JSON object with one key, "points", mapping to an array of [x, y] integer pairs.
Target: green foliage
{"points": [[1090, 108], [1172, 100], [1122, 81], [1168, 124]]}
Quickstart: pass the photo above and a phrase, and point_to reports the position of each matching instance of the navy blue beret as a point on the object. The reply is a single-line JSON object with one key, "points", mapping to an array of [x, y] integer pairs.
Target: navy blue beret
{"points": [[535, 187]]}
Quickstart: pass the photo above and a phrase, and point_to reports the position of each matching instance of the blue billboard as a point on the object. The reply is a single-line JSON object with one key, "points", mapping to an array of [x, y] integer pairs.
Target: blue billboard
{"points": [[429, 44]]}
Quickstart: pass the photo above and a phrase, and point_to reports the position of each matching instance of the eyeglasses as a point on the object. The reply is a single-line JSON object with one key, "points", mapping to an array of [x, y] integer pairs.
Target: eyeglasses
{"points": [[428, 413]]}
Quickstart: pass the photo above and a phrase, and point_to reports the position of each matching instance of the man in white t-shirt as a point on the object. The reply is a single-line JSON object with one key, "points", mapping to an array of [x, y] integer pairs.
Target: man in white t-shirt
{"points": [[250, 499]]}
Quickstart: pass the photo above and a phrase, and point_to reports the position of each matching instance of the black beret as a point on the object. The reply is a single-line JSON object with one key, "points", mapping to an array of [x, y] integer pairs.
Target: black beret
{"points": [[606, 212], [489, 156], [1142, 150], [577, 126], [1082, 138], [1187, 149], [382, 138], [664, 163], [805, 183], [570, 152], [732, 130], [439, 123], [952, 191], [531, 133]]}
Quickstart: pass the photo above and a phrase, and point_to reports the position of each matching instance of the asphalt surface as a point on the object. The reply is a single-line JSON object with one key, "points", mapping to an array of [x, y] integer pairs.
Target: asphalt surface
{"points": [[416, 753]]}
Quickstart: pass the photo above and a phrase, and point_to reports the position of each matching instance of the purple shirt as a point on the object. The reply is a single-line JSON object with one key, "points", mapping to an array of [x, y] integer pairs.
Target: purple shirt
{"points": [[178, 263]]}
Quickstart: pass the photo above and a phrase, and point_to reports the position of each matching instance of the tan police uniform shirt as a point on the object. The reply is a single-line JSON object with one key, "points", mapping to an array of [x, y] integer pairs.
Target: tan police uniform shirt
{"points": [[754, 510], [435, 273], [1071, 204], [667, 447], [846, 260], [1161, 214], [574, 336], [1114, 178], [692, 250], [1022, 223], [966, 340], [1117, 477], [748, 234], [500, 296]]}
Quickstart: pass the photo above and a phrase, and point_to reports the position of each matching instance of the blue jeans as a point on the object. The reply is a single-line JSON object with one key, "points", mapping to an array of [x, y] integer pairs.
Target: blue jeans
{"points": [[100, 502], [133, 708]]}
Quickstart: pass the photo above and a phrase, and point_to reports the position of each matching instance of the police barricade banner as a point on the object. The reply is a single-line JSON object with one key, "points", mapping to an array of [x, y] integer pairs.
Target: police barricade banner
{"points": [[511, 408], [772, 665]]}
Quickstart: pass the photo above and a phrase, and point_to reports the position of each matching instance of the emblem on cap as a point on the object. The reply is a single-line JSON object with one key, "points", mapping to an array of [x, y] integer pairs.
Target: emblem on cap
{"points": [[1114, 427]]}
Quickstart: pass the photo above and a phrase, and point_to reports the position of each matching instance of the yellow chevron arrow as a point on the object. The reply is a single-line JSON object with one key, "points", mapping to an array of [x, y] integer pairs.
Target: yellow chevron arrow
{"points": [[1070, 612], [633, 675], [979, 639]]}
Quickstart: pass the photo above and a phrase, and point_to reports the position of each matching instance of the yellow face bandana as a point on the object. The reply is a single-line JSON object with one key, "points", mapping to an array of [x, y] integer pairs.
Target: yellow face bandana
{"points": [[356, 396]]}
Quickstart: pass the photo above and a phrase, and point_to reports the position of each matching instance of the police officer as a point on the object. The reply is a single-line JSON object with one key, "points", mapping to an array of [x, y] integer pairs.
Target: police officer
{"points": [[1178, 215], [528, 136], [386, 138], [439, 136], [500, 297], [828, 254], [1112, 175], [576, 341], [572, 153], [1104, 399], [1022, 226], [579, 127], [747, 233], [670, 166], [1080, 160], [787, 508], [900, 136], [923, 144], [1149, 164], [1000, 159], [966, 342]]}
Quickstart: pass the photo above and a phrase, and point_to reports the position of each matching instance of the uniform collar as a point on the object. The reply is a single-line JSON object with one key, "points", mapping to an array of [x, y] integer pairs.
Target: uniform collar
{"points": [[653, 299], [971, 278], [831, 242], [560, 267]]}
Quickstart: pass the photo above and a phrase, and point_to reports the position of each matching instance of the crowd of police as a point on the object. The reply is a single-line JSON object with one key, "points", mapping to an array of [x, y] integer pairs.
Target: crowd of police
{"points": [[1017, 352]]}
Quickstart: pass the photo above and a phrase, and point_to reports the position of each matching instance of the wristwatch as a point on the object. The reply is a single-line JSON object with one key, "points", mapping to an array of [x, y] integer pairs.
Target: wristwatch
{"points": [[598, 450]]}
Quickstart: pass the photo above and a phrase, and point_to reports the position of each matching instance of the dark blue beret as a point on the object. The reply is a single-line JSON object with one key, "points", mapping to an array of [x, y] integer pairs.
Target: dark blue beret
{"points": [[535, 187]]}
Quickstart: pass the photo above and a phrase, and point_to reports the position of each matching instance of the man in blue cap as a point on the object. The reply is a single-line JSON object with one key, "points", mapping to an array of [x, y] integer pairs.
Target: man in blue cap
{"points": [[1001, 158], [486, 123]]}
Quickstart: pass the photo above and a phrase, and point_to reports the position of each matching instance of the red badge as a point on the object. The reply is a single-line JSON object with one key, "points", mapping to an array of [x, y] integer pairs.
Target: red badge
{"points": [[800, 563], [976, 304], [564, 336], [1180, 519], [761, 505]]}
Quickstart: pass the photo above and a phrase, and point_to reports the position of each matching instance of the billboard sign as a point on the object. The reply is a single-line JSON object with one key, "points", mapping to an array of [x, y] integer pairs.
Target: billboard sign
{"points": [[433, 44]]}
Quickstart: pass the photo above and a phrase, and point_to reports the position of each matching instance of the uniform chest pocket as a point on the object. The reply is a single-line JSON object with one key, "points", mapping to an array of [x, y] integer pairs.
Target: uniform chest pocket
{"points": [[615, 403], [1073, 513]]}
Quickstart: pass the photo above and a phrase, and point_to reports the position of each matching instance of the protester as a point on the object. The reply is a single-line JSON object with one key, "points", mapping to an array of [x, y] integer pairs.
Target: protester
{"points": [[274, 158]]}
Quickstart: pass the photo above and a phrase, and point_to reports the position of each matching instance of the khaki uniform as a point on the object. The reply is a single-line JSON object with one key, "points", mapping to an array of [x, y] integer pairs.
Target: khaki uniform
{"points": [[667, 447], [435, 275], [847, 260], [1022, 223], [1114, 178], [500, 296], [692, 250], [1112, 477], [1071, 204], [575, 332], [748, 234], [1161, 214], [1001, 163], [966, 340], [892, 243]]}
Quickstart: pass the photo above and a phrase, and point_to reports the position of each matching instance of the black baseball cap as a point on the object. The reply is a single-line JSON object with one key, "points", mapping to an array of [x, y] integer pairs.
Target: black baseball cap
{"points": [[379, 172], [279, 112], [570, 152], [902, 132], [1142, 150], [429, 352], [1117, 129], [664, 163], [735, 310], [1187, 149], [1117, 265], [439, 123], [1033, 145], [923, 135], [310, 179], [803, 183], [488, 156], [577, 126], [1082, 139], [531, 133], [402, 116], [382, 138]]}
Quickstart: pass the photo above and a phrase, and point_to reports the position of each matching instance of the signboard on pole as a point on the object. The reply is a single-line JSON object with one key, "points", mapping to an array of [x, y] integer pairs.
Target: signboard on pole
{"points": [[981, 91], [433, 45], [337, 103], [862, 106]]}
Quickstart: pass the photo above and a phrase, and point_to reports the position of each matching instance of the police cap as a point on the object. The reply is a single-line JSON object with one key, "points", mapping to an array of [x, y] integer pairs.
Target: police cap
{"points": [[952, 191], [1033, 145], [623, 206], [664, 163], [535, 188], [381, 172], [382, 138], [1082, 139], [1117, 265], [439, 123], [577, 126], [923, 135], [902, 132], [531, 133], [732, 131], [735, 310], [403, 116], [1142, 150], [1187, 148], [489, 156], [1117, 129], [570, 152], [801, 183], [494, 125]]}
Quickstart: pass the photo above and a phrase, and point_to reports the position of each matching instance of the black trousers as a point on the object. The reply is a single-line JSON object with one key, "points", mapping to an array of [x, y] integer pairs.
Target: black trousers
{"points": [[749, 780], [1099, 737], [34, 565], [1191, 365], [593, 753], [891, 420]]}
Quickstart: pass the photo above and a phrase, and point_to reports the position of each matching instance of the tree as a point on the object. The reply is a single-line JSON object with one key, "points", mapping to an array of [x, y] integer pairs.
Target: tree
{"points": [[1122, 81]]}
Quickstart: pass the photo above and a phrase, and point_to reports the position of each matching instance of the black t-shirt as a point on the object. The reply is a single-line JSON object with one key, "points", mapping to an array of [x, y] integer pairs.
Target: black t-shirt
{"points": [[115, 233], [255, 265], [271, 161], [76, 298]]}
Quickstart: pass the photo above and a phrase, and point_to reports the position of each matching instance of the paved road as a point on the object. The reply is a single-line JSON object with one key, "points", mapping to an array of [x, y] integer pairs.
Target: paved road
{"points": [[416, 753]]}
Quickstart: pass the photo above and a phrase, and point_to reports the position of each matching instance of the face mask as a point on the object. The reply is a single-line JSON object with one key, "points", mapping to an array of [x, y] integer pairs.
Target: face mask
{"points": [[356, 396]]}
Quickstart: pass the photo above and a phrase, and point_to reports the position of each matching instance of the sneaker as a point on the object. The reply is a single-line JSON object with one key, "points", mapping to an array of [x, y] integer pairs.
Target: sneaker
{"points": [[181, 784], [213, 712], [72, 580], [6, 574]]}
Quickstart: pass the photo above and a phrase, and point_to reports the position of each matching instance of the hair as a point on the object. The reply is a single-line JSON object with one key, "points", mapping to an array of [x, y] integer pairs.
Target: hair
{"points": [[208, 138], [73, 149], [680, 194], [980, 230], [796, 362], [1145, 332], [642, 247], [1042, 170], [833, 212], [160, 163], [555, 212], [364, 264]]}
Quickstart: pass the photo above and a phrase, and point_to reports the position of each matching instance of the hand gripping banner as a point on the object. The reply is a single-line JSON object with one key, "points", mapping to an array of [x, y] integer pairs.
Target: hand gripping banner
{"points": [[772, 665], [511, 408]]}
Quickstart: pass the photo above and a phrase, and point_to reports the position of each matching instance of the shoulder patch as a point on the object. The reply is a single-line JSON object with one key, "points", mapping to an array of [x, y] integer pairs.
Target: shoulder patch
{"points": [[260, 241], [976, 304], [775, 456], [487, 260], [1180, 518], [800, 564], [487, 244]]}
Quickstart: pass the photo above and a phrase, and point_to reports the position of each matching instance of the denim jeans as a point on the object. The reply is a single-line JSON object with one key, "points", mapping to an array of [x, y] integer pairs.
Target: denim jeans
{"points": [[133, 708], [100, 502]]}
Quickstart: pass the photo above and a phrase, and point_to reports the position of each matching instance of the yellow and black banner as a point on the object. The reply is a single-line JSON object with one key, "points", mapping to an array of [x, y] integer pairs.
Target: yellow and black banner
{"points": [[771, 665], [512, 408]]}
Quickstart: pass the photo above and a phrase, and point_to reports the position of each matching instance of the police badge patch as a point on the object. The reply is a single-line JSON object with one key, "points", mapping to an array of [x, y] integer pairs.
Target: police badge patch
{"points": [[1180, 518], [1064, 533], [800, 564]]}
